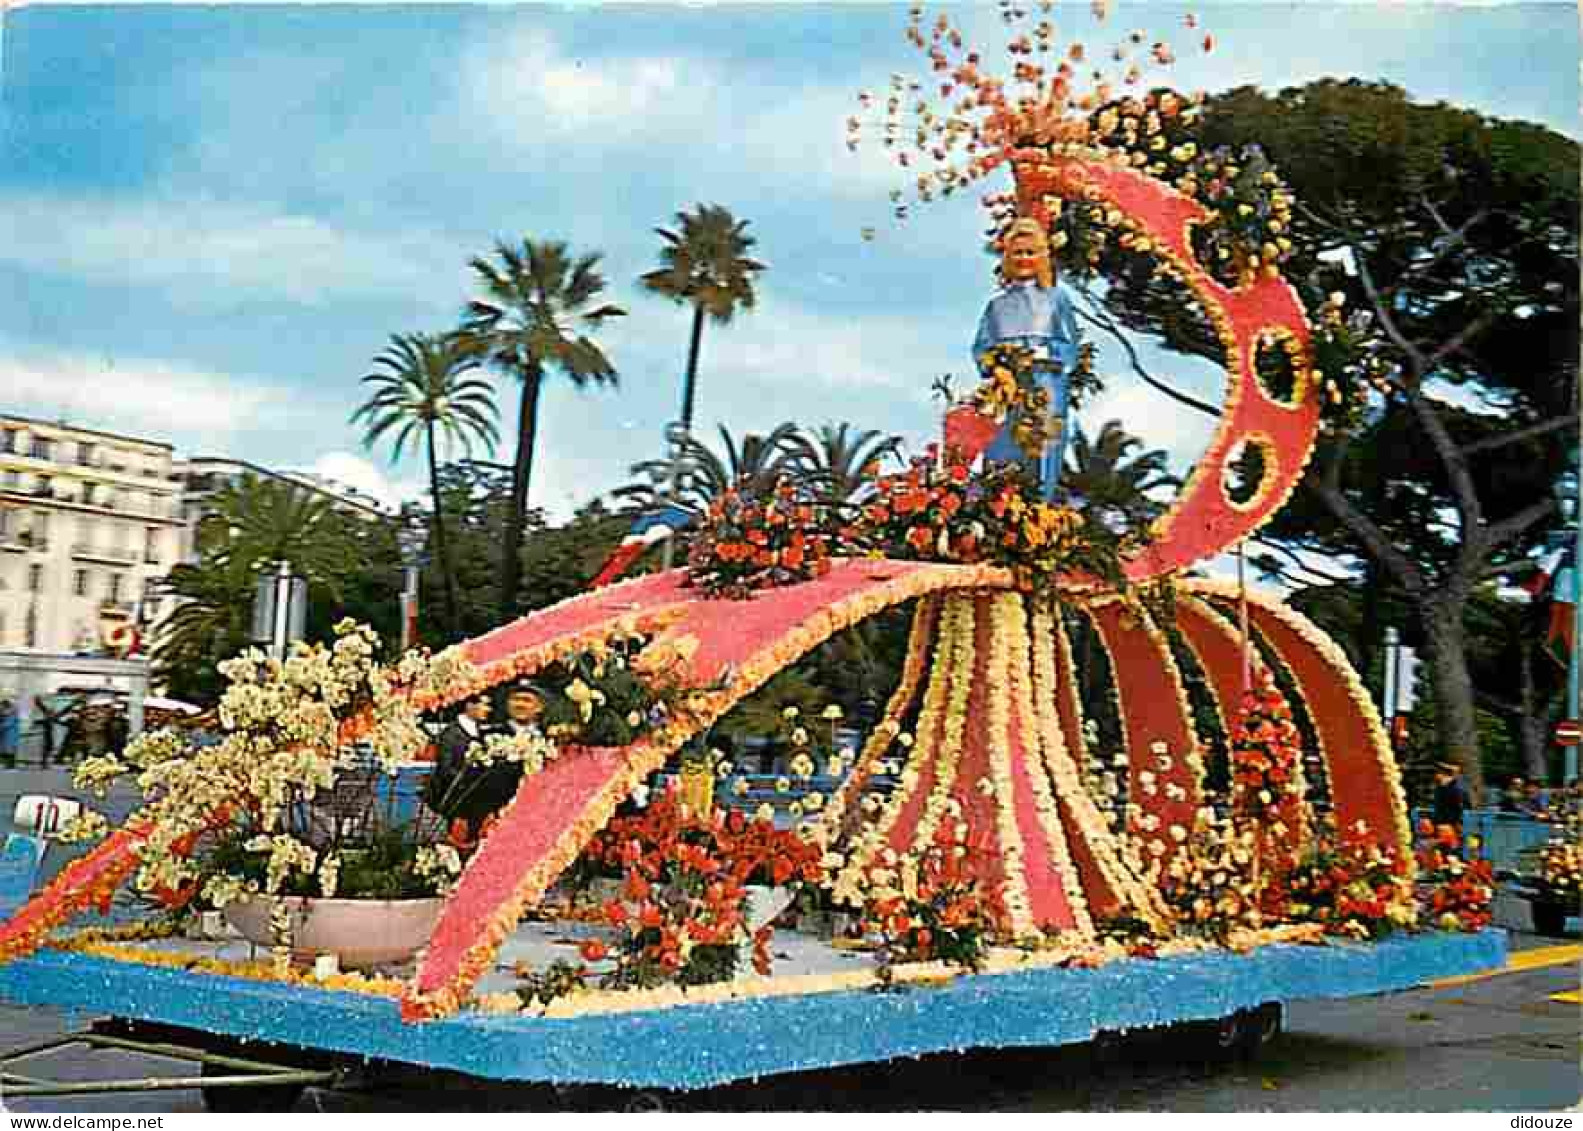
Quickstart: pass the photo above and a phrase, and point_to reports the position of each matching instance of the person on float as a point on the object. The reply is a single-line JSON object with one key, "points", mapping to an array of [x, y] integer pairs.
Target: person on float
{"points": [[1033, 310], [449, 790]]}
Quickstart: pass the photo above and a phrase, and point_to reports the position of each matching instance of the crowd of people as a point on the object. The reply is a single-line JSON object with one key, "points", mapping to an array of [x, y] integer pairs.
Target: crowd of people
{"points": [[1519, 797], [1531, 799]]}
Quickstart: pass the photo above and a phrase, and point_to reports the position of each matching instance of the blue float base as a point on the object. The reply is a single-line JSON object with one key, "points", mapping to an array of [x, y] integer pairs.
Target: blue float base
{"points": [[701, 1046]]}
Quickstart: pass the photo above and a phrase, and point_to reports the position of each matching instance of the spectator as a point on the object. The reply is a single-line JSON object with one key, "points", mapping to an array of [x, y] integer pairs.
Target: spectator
{"points": [[1450, 797], [1536, 801], [1514, 796], [10, 732]]}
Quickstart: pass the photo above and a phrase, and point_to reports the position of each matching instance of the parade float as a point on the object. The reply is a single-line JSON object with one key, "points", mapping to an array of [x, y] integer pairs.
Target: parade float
{"points": [[987, 893]]}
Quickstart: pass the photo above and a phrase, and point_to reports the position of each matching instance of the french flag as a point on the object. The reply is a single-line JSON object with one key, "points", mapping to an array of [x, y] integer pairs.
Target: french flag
{"points": [[1556, 562], [1563, 614], [650, 528]]}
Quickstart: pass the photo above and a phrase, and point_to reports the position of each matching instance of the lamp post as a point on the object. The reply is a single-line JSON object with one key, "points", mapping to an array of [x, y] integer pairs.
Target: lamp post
{"points": [[411, 539], [676, 436], [280, 609]]}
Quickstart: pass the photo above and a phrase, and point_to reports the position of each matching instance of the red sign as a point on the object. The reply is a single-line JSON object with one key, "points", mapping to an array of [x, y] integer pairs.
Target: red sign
{"points": [[1569, 732]]}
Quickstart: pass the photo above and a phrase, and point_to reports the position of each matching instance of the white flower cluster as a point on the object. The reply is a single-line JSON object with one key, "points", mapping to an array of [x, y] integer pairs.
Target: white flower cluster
{"points": [[287, 854], [86, 825], [529, 749], [289, 728], [440, 864]]}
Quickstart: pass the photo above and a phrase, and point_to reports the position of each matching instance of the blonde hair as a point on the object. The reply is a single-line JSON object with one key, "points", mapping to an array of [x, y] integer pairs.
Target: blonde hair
{"points": [[1028, 226]]}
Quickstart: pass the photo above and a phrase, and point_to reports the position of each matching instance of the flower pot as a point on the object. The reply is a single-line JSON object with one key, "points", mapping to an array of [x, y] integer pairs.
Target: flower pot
{"points": [[360, 932], [764, 905]]}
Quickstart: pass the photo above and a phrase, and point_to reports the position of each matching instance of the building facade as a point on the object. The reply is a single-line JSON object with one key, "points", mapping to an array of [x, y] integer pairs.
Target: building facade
{"points": [[89, 523], [203, 477]]}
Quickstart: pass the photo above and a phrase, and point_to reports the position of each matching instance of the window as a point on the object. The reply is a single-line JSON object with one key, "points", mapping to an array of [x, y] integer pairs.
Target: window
{"points": [[9, 441], [85, 453], [5, 524], [113, 590], [43, 486], [13, 480], [35, 578], [30, 628], [151, 545], [41, 529], [42, 448], [79, 583]]}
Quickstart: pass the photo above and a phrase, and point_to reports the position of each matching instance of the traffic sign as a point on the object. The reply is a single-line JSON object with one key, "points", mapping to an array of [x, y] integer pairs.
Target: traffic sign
{"points": [[1569, 732]]}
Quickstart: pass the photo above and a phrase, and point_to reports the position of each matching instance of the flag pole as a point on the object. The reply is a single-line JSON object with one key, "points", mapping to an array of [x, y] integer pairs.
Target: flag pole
{"points": [[1571, 755]]}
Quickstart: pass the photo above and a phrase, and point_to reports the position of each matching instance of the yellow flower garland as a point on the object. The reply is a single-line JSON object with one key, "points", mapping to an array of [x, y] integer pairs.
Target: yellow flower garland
{"points": [[1048, 635], [1049, 818]]}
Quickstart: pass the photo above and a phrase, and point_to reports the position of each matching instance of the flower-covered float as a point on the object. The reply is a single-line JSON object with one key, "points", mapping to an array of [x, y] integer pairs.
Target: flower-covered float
{"points": [[991, 888]]}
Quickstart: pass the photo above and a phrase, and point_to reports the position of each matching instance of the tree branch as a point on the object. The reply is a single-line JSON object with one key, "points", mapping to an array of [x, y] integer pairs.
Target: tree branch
{"points": [[1510, 527], [1292, 554], [1463, 490], [1381, 311], [1533, 431], [1328, 488], [1149, 379], [1461, 338]]}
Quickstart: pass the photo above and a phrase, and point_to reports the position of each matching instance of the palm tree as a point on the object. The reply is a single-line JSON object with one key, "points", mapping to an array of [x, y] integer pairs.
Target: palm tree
{"points": [[253, 523], [529, 299], [257, 521], [1109, 481], [209, 624], [705, 265], [703, 475], [423, 391], [839, 465]]}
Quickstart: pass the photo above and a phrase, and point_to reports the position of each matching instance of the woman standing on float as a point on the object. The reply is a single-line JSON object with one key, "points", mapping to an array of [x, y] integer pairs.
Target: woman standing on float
{"points": [[1034, 311]]}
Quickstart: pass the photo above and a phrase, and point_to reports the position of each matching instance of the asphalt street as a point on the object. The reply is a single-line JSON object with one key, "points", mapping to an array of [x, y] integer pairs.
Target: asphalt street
{"points": [[1501, 1043]]}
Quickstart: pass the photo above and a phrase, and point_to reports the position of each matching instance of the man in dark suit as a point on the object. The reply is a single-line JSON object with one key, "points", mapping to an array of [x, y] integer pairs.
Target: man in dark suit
{"points": [[451, 784]]}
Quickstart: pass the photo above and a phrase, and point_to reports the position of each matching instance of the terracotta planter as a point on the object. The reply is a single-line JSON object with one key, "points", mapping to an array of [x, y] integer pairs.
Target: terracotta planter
{"points": [[360, 932]]}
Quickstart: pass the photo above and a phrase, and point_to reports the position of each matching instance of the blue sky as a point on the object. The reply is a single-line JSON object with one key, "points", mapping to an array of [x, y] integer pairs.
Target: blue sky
{"points": [[212, 218]]}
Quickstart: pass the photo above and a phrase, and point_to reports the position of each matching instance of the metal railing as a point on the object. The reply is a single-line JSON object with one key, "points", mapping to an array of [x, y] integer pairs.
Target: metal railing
{"points": [[103, 553], [1500, 837]]}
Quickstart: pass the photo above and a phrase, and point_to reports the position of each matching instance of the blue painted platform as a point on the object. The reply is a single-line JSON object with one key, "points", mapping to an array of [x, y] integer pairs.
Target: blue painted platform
{"points": [[699, 1046]]}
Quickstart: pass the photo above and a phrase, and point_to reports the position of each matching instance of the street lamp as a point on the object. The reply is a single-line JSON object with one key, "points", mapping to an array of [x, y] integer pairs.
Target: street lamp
{"points": [[676, 437], [412, 538], [280, 609]]}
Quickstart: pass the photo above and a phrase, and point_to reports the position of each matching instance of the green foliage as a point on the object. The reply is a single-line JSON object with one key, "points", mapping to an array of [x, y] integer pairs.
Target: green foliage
{"points": [[350, 561], [530, 297], [705, 265], [425, 392], [383, 868]]}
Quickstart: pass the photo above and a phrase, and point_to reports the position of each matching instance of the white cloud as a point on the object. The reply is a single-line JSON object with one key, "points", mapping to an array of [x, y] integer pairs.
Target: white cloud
{"points": [[1152, 417], [209, 253], [784, 343], [525, 86], [148, 397], [361, 474]]}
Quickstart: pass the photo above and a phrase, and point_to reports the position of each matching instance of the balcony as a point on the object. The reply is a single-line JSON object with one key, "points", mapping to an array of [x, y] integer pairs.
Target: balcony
{"points": [[24, 540], [126, 607], [112, 555]]}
